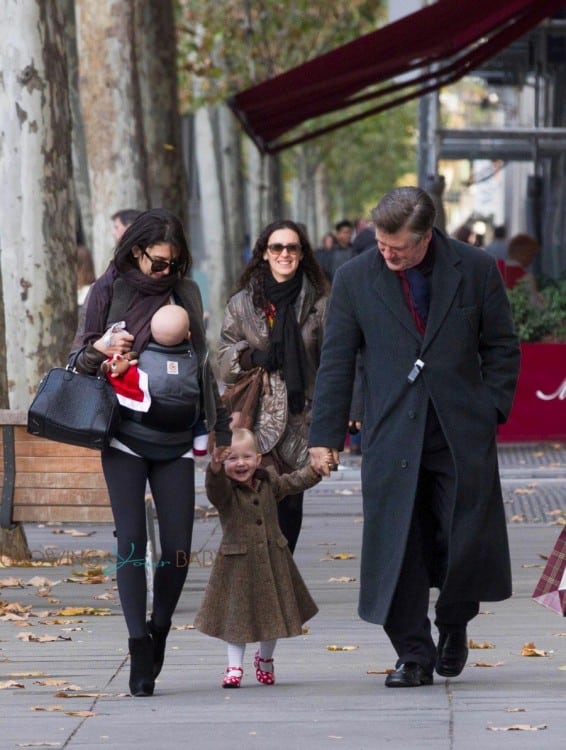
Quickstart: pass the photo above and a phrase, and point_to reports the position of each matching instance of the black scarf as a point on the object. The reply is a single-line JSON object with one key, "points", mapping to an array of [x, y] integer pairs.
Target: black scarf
{"points": [[150, 295], [286, 347]]}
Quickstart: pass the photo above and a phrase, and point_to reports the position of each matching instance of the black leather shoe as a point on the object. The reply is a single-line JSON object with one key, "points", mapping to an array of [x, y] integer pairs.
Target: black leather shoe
{"points": [[452, 653], [410, 674]]}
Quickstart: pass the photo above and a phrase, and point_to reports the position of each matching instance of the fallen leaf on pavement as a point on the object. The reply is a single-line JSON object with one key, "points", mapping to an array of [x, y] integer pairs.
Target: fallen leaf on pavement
{"points": [[342, 648], [518, 728], [80, 713], [529, 649], [343, 556], [484, 644], [182, 627], [341, 579], [11, 684], [51, 682], [15, 608], [42, 638], [41, 582], [76, 611], [47, 708], [27, 674], [487, 664], [389, 670], [38, 744], [70, 694], [511, 710], [73, 532], [6, 583]]}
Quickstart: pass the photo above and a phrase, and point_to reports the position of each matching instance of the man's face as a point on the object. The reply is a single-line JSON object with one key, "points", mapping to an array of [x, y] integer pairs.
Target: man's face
{"points": [[344, 236], [403, 249], [118, 229]]}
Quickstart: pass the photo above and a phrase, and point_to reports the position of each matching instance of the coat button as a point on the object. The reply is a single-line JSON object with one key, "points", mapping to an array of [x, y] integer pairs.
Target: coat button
{"points": [[256, 502], [404, 464], [259, 521], [412, 415]]}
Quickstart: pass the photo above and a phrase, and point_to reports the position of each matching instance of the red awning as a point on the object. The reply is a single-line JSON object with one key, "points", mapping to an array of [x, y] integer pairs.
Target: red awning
{"points": [[429, 49]]}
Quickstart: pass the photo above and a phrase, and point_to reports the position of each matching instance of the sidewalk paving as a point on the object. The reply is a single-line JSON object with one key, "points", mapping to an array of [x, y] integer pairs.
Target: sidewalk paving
{"points": [[322, 698]]}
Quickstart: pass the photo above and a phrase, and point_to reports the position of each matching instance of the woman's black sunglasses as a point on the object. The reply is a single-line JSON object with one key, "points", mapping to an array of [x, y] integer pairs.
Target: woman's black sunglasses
{"points": [[159, 264]]}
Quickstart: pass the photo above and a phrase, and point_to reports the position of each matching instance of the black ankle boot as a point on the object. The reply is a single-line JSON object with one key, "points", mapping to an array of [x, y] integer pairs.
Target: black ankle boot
{"points": [[159, 637], [141, 666]]}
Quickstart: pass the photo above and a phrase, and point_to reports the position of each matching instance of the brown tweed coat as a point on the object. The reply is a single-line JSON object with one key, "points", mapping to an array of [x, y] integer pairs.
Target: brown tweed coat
{"points": [[255, 591]]}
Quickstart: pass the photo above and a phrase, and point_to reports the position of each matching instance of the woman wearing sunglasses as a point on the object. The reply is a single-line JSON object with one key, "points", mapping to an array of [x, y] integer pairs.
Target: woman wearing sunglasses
{"points": [[275, 320], [148, 270]]}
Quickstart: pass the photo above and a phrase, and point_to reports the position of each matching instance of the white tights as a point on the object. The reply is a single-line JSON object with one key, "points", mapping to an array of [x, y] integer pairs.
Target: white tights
{"points": [[236, 652]]}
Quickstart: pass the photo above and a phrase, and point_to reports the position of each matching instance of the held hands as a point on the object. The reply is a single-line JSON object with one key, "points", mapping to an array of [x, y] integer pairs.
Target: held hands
{"points": [[323, 460]]}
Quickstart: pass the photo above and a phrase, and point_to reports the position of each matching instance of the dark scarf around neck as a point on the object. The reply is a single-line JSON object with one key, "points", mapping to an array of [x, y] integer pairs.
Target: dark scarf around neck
{"points": [[150, 295], [286, 348]]}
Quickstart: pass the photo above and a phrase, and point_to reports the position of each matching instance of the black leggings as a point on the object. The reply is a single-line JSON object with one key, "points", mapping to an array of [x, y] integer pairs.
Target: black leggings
{"points": [[290, 514], [172, 485]]}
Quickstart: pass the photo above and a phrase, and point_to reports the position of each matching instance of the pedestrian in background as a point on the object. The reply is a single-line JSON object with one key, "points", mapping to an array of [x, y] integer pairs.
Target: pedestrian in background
{"points": [[121, 220], [432, 322]]}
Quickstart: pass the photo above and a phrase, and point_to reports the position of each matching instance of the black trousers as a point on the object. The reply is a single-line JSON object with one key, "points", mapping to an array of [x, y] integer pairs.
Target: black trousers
{"points": [[426, 555], [173, 489]]}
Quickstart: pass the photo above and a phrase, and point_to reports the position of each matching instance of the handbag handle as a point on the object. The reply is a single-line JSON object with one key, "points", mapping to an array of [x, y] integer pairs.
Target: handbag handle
{"points": [[72, 362]]}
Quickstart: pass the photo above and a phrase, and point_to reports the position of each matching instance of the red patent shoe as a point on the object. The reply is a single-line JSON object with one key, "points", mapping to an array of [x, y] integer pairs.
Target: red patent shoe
{"points": [[233, 677], [265, 676]]}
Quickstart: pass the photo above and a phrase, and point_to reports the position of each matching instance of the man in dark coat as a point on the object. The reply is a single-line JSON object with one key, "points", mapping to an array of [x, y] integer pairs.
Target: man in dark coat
{"points": [[440, 358]]}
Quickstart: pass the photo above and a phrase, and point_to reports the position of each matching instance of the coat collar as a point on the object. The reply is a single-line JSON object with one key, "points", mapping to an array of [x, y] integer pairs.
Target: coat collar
{"points": [[445, 281]]}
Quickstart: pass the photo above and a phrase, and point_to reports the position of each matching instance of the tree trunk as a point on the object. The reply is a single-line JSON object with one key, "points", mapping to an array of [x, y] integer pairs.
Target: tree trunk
{"points": [[157, 69], [212, 218], [80, 162], [233, 179], [37, 221], [112, 115], [37, 228], [256, 189], [322, 205]]}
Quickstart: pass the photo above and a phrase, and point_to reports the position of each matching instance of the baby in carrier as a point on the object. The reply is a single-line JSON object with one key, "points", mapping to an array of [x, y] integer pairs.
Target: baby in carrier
{"points": [[161, 388]]}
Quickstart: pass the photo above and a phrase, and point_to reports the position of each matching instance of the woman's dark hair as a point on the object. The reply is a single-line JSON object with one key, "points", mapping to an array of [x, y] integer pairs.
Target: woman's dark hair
{"points": [[85, 266], [257, 269], [150, 228]]}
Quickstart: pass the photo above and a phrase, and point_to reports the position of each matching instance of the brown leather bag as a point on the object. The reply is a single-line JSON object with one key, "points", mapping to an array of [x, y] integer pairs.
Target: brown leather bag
{"points": [[243, 399]]}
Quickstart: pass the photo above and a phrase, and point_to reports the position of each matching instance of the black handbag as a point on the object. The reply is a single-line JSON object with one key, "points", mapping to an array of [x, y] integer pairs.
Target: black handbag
{"points": [[71, 407]]}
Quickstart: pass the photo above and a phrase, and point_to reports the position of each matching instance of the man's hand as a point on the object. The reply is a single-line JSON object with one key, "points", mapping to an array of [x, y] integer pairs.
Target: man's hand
{"points": [[324, 460]]}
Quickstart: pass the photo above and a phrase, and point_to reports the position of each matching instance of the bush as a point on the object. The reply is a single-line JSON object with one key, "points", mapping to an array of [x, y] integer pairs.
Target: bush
{"points": [[544, 322]]}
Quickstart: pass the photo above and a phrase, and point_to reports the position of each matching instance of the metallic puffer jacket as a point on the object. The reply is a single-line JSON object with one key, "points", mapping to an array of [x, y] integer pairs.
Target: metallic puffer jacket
{"points": [[244, 327]]}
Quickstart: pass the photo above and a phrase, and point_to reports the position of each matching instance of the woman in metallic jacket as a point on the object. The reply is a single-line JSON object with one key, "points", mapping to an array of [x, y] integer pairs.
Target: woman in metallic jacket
{"points": [[275, 320]]}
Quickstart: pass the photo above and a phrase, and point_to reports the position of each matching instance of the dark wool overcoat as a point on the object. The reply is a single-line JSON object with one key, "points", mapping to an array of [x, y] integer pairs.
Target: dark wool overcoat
{"points": [[255, 591], [471, 362]]}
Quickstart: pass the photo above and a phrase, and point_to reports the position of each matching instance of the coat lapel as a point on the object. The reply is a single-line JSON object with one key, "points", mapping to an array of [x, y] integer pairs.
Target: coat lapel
{"points": [[387, 285], [446, 279]]}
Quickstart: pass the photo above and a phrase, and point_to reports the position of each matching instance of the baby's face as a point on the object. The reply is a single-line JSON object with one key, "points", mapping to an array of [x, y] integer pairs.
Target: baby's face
{"points": [[242, 461]]}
